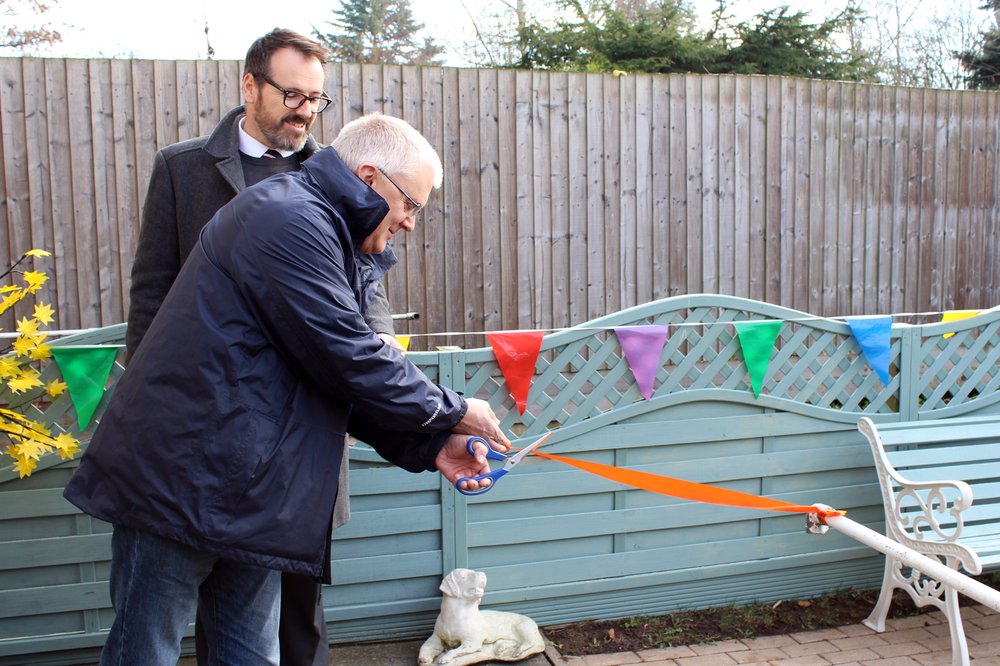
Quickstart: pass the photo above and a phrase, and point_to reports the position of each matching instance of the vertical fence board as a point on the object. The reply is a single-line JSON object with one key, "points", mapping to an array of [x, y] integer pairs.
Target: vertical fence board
{"points": [[576, 108], [559, 187], [710, 250], [845, 195], [627, 201], [491, 209], [597, 283], [81, 154], [105, 196], [507, 250], [725, 187], [39, 169], [643, 188], [453, 293], [127, 186], [661, 193], [468, 250], [524, 147], [433, 314], [831, 200], [679, 188], [693, 164], [63, 242]]}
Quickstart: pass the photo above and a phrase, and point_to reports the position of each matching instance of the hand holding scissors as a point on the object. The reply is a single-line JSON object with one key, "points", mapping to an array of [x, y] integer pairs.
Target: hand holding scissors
{"points": [[509, 463]]}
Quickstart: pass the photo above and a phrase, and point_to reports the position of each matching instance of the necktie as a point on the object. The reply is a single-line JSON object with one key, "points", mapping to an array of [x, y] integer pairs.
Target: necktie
{"points": [[271, 152]]}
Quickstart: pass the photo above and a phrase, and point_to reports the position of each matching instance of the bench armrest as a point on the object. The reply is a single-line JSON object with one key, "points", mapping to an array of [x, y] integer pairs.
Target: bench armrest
{"points": [[924, 515]]}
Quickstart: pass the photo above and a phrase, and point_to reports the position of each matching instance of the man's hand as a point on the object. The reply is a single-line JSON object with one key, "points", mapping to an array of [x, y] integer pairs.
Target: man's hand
{"points": [[454, 462], [391, 341], [480, 420]]}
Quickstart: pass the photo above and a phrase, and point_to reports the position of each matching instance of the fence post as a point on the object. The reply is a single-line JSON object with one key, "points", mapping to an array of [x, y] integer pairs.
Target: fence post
{"points": [[454, 507], [909, 372]]}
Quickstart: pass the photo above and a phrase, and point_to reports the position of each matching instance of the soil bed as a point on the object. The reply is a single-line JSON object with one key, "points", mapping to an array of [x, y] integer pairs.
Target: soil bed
{"points": [[718, 624]]}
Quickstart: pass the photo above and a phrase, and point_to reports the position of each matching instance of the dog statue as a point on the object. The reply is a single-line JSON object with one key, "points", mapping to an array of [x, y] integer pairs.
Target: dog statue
{"points": [[463, 634]]}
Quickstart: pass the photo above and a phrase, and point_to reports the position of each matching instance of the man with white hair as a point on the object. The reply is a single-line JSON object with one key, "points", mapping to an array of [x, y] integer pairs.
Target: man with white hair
{"points": [[219, 471]]}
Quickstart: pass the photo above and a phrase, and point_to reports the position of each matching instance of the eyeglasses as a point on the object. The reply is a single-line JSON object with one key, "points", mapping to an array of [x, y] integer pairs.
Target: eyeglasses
{"points": [[412, 206], [294, 100]]}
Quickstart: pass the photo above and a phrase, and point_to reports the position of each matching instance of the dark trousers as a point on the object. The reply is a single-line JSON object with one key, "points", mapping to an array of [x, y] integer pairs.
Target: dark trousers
{"points": [[301, 630]]}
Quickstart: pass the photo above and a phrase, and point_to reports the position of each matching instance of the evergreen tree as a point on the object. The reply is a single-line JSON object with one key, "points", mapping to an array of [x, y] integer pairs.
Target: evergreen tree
{"points": [[983, 65], [378, 31], [632, 35], [782, 43]]}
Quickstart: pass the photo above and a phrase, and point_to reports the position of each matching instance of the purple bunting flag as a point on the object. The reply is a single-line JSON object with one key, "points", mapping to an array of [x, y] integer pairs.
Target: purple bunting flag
{"points": [[643, 346]]}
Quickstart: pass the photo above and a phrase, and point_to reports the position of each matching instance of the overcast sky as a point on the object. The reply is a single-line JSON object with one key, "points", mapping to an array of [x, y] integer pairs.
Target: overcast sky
{"points": [[175, 29]]}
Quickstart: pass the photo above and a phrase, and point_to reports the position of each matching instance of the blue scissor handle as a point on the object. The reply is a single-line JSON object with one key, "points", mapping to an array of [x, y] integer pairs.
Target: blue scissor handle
{"points": [[492, 476]]}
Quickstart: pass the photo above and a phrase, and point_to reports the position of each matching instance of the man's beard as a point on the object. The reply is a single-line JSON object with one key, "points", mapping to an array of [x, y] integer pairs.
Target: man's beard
{"points": [[275, 132]]}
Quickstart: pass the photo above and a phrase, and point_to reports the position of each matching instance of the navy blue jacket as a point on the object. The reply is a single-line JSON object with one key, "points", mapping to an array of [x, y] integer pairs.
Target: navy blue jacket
{"points": [[226, 431]]}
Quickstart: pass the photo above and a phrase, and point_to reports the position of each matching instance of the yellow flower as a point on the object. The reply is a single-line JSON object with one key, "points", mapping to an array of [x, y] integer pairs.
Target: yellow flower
{"points": [[27, 380], [23, 346], [27, 327], [24, 466], [43, 313], [41, 352], [67, 445], [9, 367], [37, 253], [35, 280], [55, 388], [33, 449]]}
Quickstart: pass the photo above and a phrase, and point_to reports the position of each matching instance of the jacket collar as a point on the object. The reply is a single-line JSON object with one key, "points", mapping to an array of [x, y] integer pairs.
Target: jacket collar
{"points": [[361, 207], [224, 144]]}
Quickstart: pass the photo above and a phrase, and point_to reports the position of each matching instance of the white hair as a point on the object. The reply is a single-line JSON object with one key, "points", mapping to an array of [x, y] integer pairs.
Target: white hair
{"points": [[387, 142]]}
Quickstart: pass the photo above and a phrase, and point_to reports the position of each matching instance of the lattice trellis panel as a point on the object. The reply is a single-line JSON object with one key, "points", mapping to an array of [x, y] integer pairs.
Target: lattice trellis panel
{"points": [[958, 370], [581, 372]]}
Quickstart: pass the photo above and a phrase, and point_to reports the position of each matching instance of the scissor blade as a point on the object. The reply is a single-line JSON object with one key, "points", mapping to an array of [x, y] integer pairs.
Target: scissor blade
{"points": [[519, 456]]}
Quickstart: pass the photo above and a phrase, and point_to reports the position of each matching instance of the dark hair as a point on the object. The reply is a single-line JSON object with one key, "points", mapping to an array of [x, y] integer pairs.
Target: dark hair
{"points": [[259, 54]]}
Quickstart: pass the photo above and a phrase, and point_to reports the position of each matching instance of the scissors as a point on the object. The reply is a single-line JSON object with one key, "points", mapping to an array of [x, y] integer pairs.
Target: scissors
{"points": [[509, 462]]}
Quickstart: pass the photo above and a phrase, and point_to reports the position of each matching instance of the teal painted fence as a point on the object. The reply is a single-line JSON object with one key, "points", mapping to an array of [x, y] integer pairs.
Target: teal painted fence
{"points": [[557, 544]]}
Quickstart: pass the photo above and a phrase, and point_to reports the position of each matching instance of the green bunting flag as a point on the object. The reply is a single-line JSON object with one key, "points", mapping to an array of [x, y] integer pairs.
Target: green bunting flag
{"points": [[757, 338], [85, 370]]}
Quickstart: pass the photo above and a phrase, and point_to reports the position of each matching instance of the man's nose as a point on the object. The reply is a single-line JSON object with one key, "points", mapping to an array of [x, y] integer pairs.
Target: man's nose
{"points": [[409, 223]]}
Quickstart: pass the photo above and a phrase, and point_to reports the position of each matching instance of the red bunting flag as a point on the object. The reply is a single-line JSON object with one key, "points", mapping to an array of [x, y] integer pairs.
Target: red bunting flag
{"points": [[516, 355]]}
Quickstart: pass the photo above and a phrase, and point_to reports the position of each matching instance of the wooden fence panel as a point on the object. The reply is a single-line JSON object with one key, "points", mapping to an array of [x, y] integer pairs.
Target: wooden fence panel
{"points": [[566, 196]]}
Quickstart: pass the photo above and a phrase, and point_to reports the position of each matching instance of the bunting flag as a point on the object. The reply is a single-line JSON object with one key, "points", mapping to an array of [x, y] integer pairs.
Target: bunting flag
{"points": [[756, 339], [874, 336], [85, 370], [643, 346], [516, 354], [957, 315], [404, 341], [689, 490]]}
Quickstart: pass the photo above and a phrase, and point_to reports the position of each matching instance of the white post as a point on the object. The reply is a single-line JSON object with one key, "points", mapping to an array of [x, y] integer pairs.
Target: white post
{"points": [[970, 587]]}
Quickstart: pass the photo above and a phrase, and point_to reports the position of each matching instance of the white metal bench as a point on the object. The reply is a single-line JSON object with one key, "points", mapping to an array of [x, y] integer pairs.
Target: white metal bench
{"points": [[934, 515]]}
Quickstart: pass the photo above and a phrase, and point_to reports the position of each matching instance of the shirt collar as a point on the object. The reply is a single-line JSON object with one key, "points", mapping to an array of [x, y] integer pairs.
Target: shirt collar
{"points": [[254, 148]]}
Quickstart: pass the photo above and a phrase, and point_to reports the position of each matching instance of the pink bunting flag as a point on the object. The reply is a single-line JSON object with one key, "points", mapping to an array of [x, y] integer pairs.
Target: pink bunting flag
{"points": [[643, 346], [516, 355]]}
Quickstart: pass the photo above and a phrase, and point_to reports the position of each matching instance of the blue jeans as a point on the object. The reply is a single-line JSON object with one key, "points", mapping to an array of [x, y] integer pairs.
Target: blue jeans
{"points": [[155, 588]]}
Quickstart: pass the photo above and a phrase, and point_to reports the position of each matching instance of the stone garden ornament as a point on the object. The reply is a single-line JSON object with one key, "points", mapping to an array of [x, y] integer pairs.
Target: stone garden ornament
{"points": [[463, 634]]}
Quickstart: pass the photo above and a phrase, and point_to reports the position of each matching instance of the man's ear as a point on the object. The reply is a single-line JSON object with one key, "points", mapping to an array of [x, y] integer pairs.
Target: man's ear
{"points": [[366, 172], [249, 87]]}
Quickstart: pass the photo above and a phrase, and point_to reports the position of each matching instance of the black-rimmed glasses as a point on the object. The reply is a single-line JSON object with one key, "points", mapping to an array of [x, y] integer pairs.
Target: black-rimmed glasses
{"points": [[412, 206], [294, 100]]}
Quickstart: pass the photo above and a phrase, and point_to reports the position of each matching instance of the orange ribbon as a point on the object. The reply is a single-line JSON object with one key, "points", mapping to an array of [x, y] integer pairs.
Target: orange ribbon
{"points": [[689, 490]]}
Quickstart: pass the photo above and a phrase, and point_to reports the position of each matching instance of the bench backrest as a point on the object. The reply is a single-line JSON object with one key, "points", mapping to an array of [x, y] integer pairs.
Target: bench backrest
{"points": [[963, 449]]}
